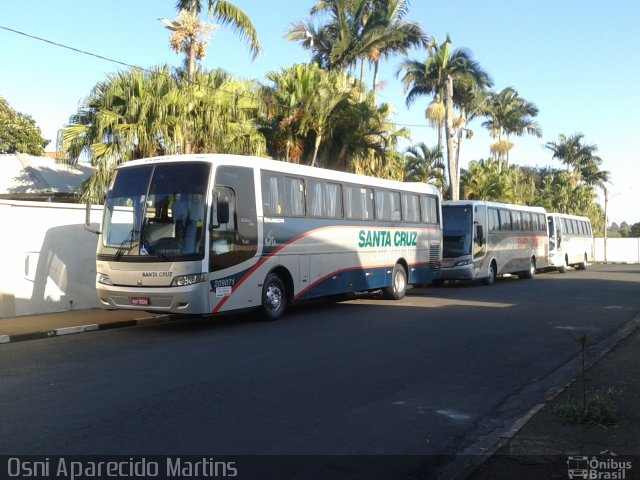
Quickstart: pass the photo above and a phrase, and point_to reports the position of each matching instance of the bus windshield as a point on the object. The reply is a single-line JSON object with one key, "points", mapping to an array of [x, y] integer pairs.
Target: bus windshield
{"points": [[156, 213], [457, 231]]}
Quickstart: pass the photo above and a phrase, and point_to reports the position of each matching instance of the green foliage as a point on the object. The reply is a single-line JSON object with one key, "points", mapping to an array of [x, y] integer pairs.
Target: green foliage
{"points": [[556, 191], [598, 409], [424, 164], [19, 132], [315, 117], [136, 114], [635, 230]]}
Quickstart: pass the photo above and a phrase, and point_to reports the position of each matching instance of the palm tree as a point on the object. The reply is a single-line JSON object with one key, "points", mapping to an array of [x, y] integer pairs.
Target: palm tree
{"points": [[484, 181], [335, 43], [509, 114], [364, 140], [437, 77], [325, 93], [188, 35], [129, 115], [424, 164], [136, 114], [387, 33], [284, 101], [358, 31], [571, 151]]}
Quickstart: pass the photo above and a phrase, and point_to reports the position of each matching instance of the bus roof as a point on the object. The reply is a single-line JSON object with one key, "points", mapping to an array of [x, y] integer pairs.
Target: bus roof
{"points": [[287, 168], [567, 215], [508, 206]]}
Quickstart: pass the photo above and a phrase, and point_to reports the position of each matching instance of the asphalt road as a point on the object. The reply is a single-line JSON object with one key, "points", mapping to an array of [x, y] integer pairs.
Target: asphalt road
{"points": [[443, 372]]}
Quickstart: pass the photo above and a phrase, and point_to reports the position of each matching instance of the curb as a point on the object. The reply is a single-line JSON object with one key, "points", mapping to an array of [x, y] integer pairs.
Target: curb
{"points": [[59, 332]]}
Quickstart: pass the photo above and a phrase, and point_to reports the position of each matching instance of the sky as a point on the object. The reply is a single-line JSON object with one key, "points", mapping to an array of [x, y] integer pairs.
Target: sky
{"points": [[577, 61]]}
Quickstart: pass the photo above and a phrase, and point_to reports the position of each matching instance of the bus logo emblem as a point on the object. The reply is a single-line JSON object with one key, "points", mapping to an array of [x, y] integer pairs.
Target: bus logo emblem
{"points": [[269, 240]]}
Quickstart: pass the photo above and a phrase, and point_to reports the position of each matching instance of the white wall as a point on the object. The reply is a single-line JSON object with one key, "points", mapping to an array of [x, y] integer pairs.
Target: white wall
{"points": [[47, 258], [626, 250]]}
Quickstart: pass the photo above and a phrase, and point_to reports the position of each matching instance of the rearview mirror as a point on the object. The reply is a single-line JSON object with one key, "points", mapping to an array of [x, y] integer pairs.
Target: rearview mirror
{"points": [[479, 234], [87, 219], [220, 211], [223, 211]]}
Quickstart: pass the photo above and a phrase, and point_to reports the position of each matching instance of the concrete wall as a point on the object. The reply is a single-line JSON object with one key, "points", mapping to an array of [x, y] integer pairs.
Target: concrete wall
{"points": [[626, 250], [47, 259], [48, 263]]}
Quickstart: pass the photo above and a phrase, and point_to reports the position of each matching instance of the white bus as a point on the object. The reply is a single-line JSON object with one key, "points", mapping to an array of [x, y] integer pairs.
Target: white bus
{"points": [[482, 240], [210, 233], [570, 241]]}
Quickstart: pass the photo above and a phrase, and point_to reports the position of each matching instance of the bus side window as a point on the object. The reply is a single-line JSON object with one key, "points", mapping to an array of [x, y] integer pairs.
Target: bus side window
{"points": [[272, 194], [494, 221], [410, 207], [505, 219]]}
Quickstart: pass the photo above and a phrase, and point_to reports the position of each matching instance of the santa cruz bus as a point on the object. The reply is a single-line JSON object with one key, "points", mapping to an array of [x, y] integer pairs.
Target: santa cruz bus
{"points": [[570, 241], [203, 234], [482, 240]]}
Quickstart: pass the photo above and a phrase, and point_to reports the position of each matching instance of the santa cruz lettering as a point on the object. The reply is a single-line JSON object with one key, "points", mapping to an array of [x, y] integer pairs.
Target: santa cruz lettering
{"points": [[385, 238]]}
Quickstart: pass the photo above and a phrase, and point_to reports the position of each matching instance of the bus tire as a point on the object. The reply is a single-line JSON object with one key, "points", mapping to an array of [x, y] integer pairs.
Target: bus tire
{"points": [[274, 298], [582, 265], [529, 274], [562, 269], [398, 288], [491, 274]]}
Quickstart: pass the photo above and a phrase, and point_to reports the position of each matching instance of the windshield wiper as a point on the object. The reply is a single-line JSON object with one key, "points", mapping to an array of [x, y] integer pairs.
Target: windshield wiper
{"points": [[125, 245]]}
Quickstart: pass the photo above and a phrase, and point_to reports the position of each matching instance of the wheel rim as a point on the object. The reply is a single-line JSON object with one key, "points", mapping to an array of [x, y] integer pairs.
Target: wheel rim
{"points": [[399, 282], [273, 297]]}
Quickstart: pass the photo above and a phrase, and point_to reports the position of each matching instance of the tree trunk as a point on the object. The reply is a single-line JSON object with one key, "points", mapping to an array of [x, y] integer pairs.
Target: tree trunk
{"points": [[459, 142], [375, 80], [315, 149], [362, 60], [191, 60], [453, 173], [445, 169]]}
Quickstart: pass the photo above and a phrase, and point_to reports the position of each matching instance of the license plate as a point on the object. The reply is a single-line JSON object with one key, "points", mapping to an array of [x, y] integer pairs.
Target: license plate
{"points": [[139, 301]]}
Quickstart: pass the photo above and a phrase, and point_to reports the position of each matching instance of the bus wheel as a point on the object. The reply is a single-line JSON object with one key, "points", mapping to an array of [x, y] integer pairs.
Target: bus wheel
{"points": [[528, 274], [562, 269], [583, 265], [491, 274], [398, 287], [274, 298]]}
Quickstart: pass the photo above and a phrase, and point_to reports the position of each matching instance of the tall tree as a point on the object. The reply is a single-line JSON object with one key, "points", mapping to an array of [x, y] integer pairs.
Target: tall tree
{"points": [[572, 151], [189, 36], [438, 77], [19, 132], [136, 114], [358, 31], [424, 164], [509, 114]]}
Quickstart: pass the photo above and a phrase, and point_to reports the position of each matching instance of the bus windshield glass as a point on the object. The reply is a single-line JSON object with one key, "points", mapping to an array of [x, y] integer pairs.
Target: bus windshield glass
{"points": [[156, 213], [457, 231]]}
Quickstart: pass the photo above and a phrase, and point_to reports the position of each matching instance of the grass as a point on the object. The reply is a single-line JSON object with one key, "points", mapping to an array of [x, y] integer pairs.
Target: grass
{"points": [[598, 409]]}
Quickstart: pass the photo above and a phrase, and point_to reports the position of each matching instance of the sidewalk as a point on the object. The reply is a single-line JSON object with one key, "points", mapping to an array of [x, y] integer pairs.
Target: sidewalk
{"points": [[545, 447], [30, 327]]}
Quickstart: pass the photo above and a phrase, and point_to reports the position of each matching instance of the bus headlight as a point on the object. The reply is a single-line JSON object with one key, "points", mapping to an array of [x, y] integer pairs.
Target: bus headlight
{"points": [[462, 263], [183, 280], [104, 279]]}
